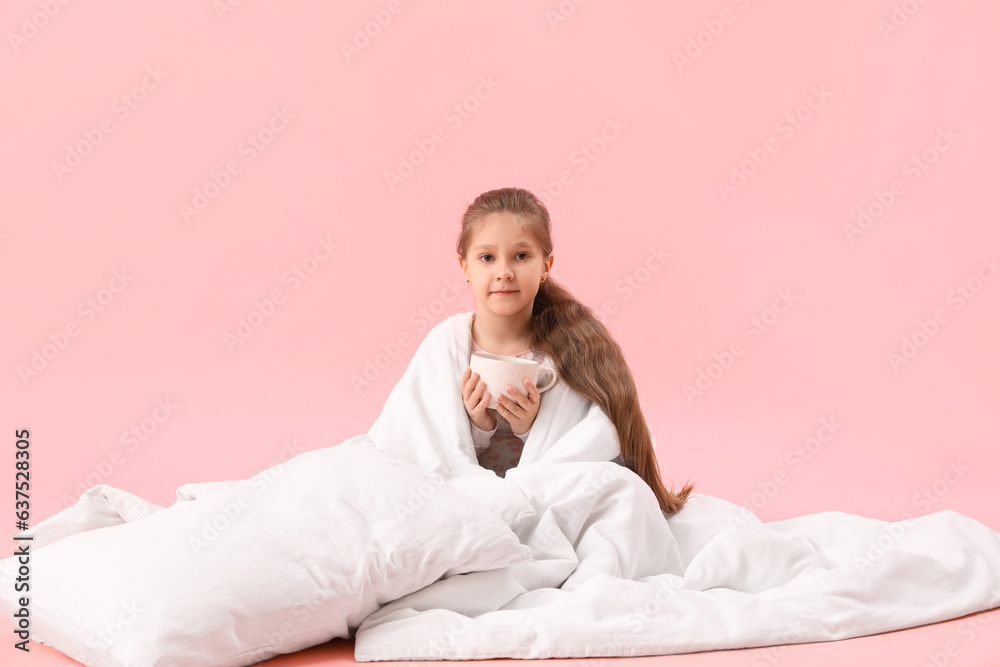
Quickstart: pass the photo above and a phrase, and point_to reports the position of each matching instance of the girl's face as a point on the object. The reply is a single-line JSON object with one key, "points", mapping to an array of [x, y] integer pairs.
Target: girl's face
{"points": [[505, 266]]}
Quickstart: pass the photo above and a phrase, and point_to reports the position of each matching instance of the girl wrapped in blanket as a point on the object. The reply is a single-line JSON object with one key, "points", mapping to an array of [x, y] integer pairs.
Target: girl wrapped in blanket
{"points": [[505, 251]]}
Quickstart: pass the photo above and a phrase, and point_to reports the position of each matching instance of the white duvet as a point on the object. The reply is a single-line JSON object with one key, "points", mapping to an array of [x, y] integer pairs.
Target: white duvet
{"points": [[612, 577], [610, 583], [604, 571]]}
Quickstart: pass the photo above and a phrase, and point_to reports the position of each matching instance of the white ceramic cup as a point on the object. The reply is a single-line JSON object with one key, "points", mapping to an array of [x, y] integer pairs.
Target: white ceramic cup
{"points": [[499, 372]]}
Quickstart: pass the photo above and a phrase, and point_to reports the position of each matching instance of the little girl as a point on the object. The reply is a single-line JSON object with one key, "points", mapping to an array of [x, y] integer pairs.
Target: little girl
{"points": [[505, 251]]}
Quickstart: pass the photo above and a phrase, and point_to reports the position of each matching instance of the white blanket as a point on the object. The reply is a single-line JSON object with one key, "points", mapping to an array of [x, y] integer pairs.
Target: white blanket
{"points": [[611, 575]]}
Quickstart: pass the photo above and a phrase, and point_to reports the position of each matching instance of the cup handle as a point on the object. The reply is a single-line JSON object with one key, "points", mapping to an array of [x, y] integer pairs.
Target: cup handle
{"points": [[552, 381]]}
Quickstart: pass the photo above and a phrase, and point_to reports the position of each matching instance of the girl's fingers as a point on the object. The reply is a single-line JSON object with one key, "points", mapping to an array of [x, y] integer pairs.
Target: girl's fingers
{"points": [[479, 398], [509, 404], [517, 397], [532, 390], [472, 385]]}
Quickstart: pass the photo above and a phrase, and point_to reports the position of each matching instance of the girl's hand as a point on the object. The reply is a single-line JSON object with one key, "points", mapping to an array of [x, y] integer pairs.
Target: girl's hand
{"points": [[476, 400], [521, 409]]}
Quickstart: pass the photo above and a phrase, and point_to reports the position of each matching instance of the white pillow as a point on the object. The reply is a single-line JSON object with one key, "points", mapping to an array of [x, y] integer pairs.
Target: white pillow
{"points": [[296, 555]]}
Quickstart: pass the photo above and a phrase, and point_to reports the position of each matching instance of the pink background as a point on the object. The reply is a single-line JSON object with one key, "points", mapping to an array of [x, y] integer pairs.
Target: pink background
{"points": [[599, 114]]}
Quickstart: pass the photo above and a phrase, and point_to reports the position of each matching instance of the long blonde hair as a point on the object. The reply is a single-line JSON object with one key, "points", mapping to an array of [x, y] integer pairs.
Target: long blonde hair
{"points": [[587, 357]]}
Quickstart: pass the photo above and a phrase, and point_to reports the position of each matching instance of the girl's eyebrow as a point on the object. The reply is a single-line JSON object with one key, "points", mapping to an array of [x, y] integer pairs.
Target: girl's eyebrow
{"points": [[519, 244]]}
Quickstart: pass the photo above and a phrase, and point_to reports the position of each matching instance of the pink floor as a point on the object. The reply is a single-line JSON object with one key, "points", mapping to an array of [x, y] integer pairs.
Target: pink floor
{"points": [[973, 641]]}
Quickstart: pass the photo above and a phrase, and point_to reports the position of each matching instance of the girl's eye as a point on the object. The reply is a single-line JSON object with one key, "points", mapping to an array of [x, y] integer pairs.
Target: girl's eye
{"points": [[489, 255]]}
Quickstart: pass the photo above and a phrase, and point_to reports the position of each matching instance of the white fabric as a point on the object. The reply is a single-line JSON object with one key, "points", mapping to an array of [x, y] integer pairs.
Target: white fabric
{"points": [[424, 422], [612, 577], [623, 591], [610, 574], [242, 571]]}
